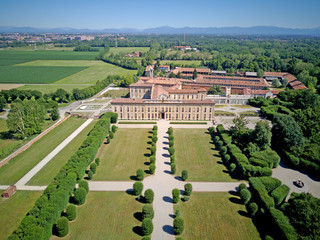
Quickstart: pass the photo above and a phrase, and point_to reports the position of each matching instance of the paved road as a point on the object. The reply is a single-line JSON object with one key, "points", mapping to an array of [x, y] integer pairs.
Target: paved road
{"points": [[26, 178]]}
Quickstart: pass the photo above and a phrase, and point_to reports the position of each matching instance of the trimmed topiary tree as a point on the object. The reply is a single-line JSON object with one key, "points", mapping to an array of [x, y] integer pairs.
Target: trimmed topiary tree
{"points": [[185, 198], [177, 213], [137, 188], [175, 195], [172, 159], [93, 168], [184, 175], [71, 212], [154, 139], [84, 184], [179, 238], [155, 127], [226, 157], [149, 195], [173, 168], [153, 150], [152, 168], [114, 128], [178, 225], [245, 196], [80, 196], [90, 175], [232, 167], [187, 189], [111, 135], [146, 238], [147, 211], [171, 150], [108, 140], [97, 161], [171, 143], [170, 138], [140, 174], [62, 227], [252, 209], [241, 187], [152, 160], [147, 226]]}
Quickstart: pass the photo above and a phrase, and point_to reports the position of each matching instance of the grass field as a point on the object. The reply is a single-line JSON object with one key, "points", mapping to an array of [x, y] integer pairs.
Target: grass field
{"points": [[14, 209], [216, 216], [39, 47], [11, 172], [128, 50], [33, 74], [7, 145], [47, 173], [196, 153], [9, 86], [64, 63], [127, 152], [105, 215], [116, 93], [182, 62], [49, 88]]}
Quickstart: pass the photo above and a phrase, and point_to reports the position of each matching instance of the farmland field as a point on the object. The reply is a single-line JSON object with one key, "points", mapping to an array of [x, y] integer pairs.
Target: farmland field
{"points": [[21, 74], [65, 63], [128, 49], [182, 62]]}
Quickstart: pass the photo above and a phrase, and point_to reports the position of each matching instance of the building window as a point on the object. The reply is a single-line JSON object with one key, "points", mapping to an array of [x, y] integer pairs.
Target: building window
{"points": [[135, 109], [152, 116], [204, 117], [128, 115], [127, 109], [189, 117], [135, 116], [120, 109], [197, 109], [177, 116], [120, 115], [155, 109], [205, 109], [148, 109], [210, 109], [148, 115], [142, 109], [189, 109], [182, 109], [166, 109], [115, 109], [142, 115], [182, 115]]}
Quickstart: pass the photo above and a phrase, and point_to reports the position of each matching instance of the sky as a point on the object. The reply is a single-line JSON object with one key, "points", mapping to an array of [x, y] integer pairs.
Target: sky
{"points": [[100, 14]]}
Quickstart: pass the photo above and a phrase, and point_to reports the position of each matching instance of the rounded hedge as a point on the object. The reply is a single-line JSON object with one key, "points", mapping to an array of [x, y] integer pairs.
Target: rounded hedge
{"points": [[177, 213], [170, 138], [114, 128], [137, 188], [252, 209], [216, 139], [152, 159], [62, 227], [80, 196], [93, 168], [172, 159], [147, 226], [171, 143], [242, 186], [149, 195], [71, 212], [245, 195], [187, 189], [173, 168], [179, 238], [146, 238], [227, 157], [153, 150], [232, 167], [90, 175], [140, 174], [175, 195], [155, 127], [84, 184], [108, 140], [184, 175], [154, 139], [97, 160], [171, 150], [152, 168], [178, 225], [186, 198], [147, 211], [111, 135]]}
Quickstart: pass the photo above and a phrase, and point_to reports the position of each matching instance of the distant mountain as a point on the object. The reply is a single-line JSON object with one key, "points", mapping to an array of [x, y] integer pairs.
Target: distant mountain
{"points": [[257, 30]]}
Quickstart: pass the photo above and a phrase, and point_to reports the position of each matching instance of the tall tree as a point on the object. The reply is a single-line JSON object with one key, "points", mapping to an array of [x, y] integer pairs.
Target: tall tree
{"points": [[215, 90], [195, 74], [262, 135], [3, 103]]}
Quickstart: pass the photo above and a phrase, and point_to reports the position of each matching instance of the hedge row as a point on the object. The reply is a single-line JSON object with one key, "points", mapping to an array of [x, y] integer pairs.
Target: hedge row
{"points": [[265, 158], [46, 211]]}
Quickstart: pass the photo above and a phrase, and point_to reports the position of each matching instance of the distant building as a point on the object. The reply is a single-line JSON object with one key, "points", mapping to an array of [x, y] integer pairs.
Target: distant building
{"points": [[135, 54], [149, 71], [164, 67], [292, 80]]}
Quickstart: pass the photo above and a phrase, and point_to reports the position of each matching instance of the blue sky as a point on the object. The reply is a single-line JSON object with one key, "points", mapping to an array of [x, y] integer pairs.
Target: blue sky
{"points": [[99, 14]]}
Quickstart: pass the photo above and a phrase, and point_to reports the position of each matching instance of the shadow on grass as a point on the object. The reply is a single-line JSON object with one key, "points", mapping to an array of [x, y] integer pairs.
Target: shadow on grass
{"points": [[149, 142], [147, 163], [133, 177], [137, 230], [165, 137], [138, 216], [150, 132], [141, 199], [168, 229], [216, 155], [233, 193], [243, 213], [149, 136], [235, 200], [167, 199], [220, 162], [147, 172], [147, 154], [130, 192]]}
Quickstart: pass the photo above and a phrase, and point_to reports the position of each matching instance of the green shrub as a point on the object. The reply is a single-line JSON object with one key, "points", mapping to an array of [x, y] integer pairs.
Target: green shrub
{"points": [[170, 131], [147, 226], [80, 196], [153, 150], [149, 195], [280, 194], [178, 225], [111, 135], [147, 211], [137, 188], [108, 140], [220, 129], [155, 132], [114, 117], [146, 238], [171, 143], [260, 193], [226, 138], [84, 184], [232, 167], [184, 175], [177, 213], [186, 198], [270, 183], [155, 127], [140, 174], [154, 139], [71, 212], [90, 175], [62, 227], [242, 186], [97, 161], [252, 209], [152, 168], [171, 150], [173, 168], [226, 157], [114, 128], [211, 130], [93, 168], [152, 160], [245, 196], [220, 144], [172, 159], [170, 138], [223, 150], [187, 189], [216, 139], [175, 195]]}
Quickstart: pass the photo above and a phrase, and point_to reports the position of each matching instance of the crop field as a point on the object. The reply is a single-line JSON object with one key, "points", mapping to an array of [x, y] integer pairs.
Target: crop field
{"points": [[182, 62], [64, 63], [13, 74], [128, 49]]}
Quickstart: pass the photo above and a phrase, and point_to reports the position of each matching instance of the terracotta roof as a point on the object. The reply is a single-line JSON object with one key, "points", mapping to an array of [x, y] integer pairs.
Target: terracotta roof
{"points": [[263, 92], [274, 74], [150, 101], [164, 66], [157, 91], [242, 84], [199, 70], [187, 90], [140, 84]]}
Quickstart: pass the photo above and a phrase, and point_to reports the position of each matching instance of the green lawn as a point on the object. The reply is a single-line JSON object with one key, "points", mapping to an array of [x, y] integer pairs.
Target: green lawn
{"points": [[7, 145], [124, 155], [196, 153], [216, 216], [47, 173], [105, 215], [182, 62], [14, 209], [116, 93], [128, 50], [92, 74], [11, 172], [49, 88], [65, 63]]}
